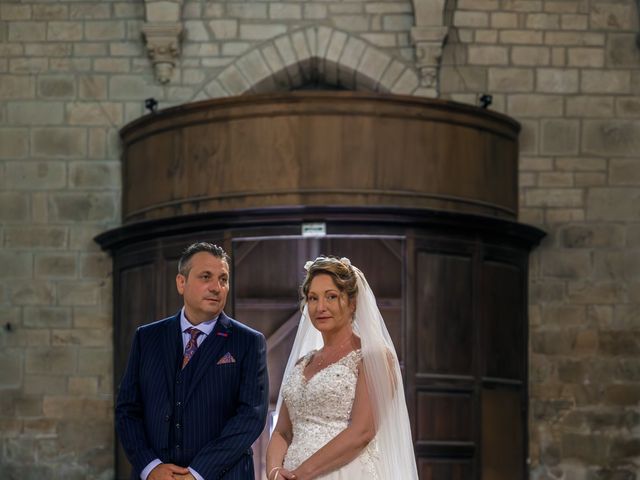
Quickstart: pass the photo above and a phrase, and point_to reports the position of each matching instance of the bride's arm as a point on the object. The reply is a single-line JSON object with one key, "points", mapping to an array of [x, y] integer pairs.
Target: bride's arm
{"points": [[279, 442], [348, 444]]}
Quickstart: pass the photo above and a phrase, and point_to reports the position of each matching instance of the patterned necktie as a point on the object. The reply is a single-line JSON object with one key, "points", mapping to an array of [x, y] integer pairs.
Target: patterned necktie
{"points": [[192, 345]]}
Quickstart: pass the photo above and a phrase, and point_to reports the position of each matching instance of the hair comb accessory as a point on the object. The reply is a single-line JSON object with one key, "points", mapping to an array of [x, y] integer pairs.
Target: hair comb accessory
{"points": [[307, 265], [346, 261]]}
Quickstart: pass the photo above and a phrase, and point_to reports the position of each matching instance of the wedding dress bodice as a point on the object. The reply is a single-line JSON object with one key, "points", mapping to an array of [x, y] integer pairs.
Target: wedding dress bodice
{"points": [[320, 408]]}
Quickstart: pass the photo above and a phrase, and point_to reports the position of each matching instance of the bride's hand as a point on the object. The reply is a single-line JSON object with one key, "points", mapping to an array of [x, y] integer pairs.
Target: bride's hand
{"points": [[287, 475]]}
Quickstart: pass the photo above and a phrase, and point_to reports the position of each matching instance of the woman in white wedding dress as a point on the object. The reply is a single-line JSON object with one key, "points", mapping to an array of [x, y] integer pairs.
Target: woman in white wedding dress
{"points": [[341, 411]]}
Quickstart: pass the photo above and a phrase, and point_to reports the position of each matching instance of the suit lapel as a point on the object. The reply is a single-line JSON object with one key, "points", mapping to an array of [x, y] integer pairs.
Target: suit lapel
{"points": [[172, 345], [210, 351]]}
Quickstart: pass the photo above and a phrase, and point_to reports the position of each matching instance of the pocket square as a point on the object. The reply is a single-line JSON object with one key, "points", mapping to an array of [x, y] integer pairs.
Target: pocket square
{"points": [[227, 358]]}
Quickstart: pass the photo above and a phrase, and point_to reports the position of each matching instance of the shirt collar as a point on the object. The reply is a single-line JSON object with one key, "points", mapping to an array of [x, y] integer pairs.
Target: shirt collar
{"points": [[204, 327]]}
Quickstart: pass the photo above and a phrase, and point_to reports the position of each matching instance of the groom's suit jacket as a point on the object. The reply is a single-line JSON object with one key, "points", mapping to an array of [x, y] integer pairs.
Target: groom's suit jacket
{"points": [[205, 416]]}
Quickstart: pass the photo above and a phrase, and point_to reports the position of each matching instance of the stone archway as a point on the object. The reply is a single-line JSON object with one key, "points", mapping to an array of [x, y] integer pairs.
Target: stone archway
{"points": [[314, 54]]}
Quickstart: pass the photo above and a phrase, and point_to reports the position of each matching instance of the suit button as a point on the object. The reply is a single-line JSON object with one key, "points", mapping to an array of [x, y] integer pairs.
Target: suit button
{"points": [[178, 425], [178, 381], [178, 404], [178, 446], [166, 418]]}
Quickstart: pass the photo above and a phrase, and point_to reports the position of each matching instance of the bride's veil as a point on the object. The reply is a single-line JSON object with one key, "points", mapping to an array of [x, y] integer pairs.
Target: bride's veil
{"points": [[383, 377]]}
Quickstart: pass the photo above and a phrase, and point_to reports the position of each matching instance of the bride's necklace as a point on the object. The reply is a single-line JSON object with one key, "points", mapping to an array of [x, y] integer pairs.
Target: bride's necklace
{"points": [[329, 353]]}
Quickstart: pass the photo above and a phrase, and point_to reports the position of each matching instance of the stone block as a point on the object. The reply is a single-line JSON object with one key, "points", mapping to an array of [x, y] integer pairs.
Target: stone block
{"points": [[90, 11], [76, 207], [488, 55], [593, 236], [572, 264], [585, 57], [95, 175], [560, 137], [11, 371], [56, 49], [13, 206], [590, 179], [31, 292], [224, 29], [461, 78], [406, 84], [554, 342], [40, 384], [35, 113], [14, 143], [510, 80], [624, 171], [195, 31], [625, 343], [521, 37], [590, 106], [28, 65], [36, 175], [554, 197], [311, 11], [11, 12], [83, 386], [56, 86], [622, 51], [349, 60], [40, 426], [47, 317], [86, 337], [92, 317], [356, 23], [372, 66], [339, 9], [95, 361], [542, 21], [112, 65], [47, 360], [247, 10], [530, 56], [78, 293], [620, 265], [574, 22], [104, 30], [55, 265], [255, 69], [233, 81], [528, 106], [610, 81], [15, 264], [487, 36], [555, 179], [64, 31], [16, 87], [613, 137], [261, 31], [29, 236], [551, 80], [589, 292], [67, 406], [102, 113], [564, 315], [473, 19], [290, 59], [27, 31], [628, 107], [59, 142], [611, 16], [568, 39], [285, 11]]}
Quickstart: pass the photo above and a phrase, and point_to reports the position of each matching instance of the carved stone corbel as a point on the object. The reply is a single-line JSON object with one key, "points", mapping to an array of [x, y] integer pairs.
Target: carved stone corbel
{"points": [[163, 46], [429, 42]]}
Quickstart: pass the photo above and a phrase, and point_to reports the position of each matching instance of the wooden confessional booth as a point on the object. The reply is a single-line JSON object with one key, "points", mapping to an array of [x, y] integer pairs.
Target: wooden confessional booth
{"points": [[421, 194]]}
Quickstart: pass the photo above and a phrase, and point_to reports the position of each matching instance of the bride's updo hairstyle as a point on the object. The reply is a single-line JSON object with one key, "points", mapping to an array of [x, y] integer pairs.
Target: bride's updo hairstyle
{"points": [[339, 269]]}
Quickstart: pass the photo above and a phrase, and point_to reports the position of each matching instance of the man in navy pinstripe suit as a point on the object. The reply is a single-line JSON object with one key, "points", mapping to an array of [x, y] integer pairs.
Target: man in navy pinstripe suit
{"points": [[194, 395]]}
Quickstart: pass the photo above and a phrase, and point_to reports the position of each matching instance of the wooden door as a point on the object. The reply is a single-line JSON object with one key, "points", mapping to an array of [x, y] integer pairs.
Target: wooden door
{"points": [[266, 274]]}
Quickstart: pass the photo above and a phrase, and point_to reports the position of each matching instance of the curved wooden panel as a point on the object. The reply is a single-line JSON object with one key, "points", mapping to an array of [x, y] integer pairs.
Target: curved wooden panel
{"points": [[320, 148]]}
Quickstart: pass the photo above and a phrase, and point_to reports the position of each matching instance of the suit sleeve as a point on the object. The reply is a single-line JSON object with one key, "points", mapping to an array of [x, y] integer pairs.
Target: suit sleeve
{"points": [[129, 413], [246, 425]]}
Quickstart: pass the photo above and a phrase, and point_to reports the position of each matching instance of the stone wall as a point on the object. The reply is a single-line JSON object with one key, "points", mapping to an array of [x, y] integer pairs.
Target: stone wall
{"points": [[73, 72]]}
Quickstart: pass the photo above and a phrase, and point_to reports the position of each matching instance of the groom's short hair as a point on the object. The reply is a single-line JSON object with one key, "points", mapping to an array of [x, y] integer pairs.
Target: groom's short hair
{"points": [[184, 264]]}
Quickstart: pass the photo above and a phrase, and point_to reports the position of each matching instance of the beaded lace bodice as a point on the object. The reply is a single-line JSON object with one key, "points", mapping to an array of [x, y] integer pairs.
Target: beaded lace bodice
{"points": [[320, 408]]}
